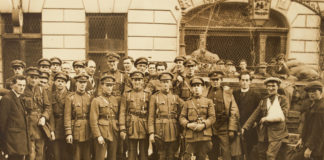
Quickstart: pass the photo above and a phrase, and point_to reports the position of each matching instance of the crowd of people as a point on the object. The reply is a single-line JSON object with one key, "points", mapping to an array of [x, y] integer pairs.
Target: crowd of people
{"points": [[147, 111]]}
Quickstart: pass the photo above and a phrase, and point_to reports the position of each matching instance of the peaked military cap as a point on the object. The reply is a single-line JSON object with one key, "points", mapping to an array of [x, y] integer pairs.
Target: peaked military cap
{"points": [[18, 63], [56, 60], [32, 71], [78, 63], [112, 56], [44, 62], [216, 74], [44, 75], [108, 79], [61, 75], [137, 74], [141, 60], [179, 58], [190, 62], [165, 76], [82, 77], [272, 79], [197, 80], [315, 85]]}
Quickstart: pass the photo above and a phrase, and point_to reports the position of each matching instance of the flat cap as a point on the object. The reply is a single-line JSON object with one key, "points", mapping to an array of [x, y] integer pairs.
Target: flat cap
{"points": [[61, 75], [82, 77], [112, 56], [32, 71], [44, 75], [216, 74], [137, 74], [18, 63], [190, 62], [314, 86], [108, 79], [56, 60], [141, 60], [229, 62], [197, 80], [272, 79], [220, 62], [263, 65], [179, 58], [165, 76], [44, 62], [78, 63]]}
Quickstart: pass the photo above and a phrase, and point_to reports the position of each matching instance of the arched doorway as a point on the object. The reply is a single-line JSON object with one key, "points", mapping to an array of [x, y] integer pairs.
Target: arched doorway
{"points": [[232, 35]]}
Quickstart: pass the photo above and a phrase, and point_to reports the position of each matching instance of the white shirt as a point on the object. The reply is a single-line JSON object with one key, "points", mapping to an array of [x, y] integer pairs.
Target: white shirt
{"points": [[245, 90]]}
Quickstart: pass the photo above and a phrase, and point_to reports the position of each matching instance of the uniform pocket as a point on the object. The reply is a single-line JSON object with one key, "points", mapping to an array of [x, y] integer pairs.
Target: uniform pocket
{"points": [[159, 128], [203, 109], [76, 130], [130, 129]]}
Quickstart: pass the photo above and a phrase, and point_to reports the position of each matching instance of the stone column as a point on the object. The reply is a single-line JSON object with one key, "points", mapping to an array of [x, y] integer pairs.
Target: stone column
{"points": [[182, 40], [262, 44]]}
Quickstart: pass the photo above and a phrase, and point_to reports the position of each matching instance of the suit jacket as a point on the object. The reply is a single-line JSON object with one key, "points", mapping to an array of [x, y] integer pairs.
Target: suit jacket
{"points": [[13, 125], [271, 131]]}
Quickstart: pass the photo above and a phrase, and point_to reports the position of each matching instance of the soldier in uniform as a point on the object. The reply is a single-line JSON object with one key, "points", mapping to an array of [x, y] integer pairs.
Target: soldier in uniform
{"points": [[178, 67], [55, 68], [76, 119], [133, 117], [271, 126], [44, 65], [18, 68], [78, 67], [163, 125], [197, 117], [141, 64], [181, 84], [38, 109], [227, 116], [154, 84], [104, 114], [61, 150], [44, 80]]}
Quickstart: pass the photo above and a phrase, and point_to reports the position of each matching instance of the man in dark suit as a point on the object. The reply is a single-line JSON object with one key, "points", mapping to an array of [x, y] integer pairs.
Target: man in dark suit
{"points": [[270, 116], [13, 123], [247, 101]]}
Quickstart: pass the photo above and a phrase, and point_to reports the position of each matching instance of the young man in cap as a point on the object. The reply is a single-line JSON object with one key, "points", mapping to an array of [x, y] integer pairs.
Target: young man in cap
{"points": [[227, 115], [178, 65], [181, 84], [44, 80], [247, 101], [38, 108], [197, 117], [281, 69], [79, 68], [141, 64], [163, 125], [133, 117], [312, 136], [18, 68], [13, 121], [104, 114], [262, 71], [61, 150], [44, 65], [270, 117], [76, 119], [55, 68]]}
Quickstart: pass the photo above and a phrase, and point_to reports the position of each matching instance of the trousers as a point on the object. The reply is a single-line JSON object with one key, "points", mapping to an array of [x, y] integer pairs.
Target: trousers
{"points": [[82, 150], [199, 149], [142, 147], [220, 141], [36, 149], [109, 146]]}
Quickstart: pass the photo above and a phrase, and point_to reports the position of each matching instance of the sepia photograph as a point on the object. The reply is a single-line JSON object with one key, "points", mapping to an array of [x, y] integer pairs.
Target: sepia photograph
{"points": [[161, 80]]}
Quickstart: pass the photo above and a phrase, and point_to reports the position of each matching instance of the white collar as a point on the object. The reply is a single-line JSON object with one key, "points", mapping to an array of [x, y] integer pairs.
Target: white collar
{"points": [[17, 94], [245, 90]]}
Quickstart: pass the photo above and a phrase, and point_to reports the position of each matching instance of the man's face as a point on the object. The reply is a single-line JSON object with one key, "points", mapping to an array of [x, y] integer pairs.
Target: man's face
{"points": [[32, 80], [18, 70], [160, 69], [152, 69], [137, 83], [19, 87], [179, 65], [127, 65], [243, 65], [45, 69], [262, 70], [216, 82], [245, 81], [197, 89], [272, 88], [66, 68], [314, 94], [107, 88], [141, 67], [55, 67], [165, 84], [81, 86], [43, 82], [112, 65], [191, 69], [60, 84], [79, 69], [91, 68]]}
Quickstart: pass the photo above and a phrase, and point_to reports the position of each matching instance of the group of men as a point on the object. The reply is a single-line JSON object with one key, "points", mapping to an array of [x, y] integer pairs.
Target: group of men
{"points": [[119, 114]]}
